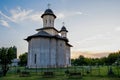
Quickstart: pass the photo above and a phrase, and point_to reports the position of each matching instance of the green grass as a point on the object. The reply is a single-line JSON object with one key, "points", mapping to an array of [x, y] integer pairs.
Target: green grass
{"points": [[38, 77], [97, 73]]}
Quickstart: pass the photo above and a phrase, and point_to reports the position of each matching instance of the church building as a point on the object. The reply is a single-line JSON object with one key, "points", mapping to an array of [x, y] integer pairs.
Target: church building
{"points": [[49, 47]]}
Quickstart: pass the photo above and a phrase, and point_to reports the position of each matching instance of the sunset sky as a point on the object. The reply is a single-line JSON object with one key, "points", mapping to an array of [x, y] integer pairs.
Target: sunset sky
{"points": [[93, 25]]}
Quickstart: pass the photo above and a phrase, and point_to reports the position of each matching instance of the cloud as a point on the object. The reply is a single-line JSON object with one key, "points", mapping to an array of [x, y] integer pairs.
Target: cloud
{"points": [[19, 15], [99, 42], [5, 16], [117, 29], [4, 23], [94, 38], [62, 15], [35, 17], [79, 13], [76, 54], [74, 13]]}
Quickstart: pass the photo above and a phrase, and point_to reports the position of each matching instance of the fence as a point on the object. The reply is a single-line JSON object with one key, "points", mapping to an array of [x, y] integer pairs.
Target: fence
{"points": [[113, 71]]}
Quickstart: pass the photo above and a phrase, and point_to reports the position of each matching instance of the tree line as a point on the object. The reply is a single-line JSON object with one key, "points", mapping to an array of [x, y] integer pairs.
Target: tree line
{"points": [[111, 59]]}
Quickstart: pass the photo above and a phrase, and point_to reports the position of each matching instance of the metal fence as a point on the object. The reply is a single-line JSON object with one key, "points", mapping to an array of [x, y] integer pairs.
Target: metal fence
{"points": [[84, 70]]}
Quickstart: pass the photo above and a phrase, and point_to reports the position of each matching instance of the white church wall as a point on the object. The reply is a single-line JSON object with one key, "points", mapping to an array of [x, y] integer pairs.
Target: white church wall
{"points": [[40, 47], [48, 21], [51, 31], [61, 53], [44, 52], [68, 62], [49, 53], [53, 52]]}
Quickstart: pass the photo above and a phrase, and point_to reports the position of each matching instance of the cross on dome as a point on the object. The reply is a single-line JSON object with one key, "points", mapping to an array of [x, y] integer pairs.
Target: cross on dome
{"points": [[63, 23], [49, 5]]}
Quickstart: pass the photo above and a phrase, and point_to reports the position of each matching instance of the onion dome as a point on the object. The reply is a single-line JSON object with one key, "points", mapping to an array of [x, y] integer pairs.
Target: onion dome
{"points": [[48, 12], [63, 29]]}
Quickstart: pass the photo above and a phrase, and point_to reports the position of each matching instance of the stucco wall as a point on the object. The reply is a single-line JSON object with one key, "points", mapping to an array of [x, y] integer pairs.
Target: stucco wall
{"points": [[51, 31], [48, 21], [49, 53]]}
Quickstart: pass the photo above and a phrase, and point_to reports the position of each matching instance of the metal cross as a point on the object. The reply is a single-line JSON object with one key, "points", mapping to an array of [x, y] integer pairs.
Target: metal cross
{"points": [[63, 23], [48, 6]]}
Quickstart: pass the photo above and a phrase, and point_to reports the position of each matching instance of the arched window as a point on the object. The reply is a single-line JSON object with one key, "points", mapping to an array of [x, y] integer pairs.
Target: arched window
{"points": [[35, 59], [50, 21], [60, 44], [46, 21]]}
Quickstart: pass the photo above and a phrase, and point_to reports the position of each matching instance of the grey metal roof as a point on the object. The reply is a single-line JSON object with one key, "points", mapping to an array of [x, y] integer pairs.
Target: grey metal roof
{"points": [[47, 28], [48, 12], [45, 34], [63, 29], [42, 33]]}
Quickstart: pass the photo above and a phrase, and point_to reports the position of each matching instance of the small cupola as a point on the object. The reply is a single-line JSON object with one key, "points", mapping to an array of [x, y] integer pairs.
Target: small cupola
{"points": [[48, 17], [63, 31], [48, 12]]}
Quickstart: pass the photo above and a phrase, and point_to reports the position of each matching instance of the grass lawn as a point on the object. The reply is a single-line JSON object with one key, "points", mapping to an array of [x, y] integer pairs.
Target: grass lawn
{"points": [[95, 74], [37, 77]]}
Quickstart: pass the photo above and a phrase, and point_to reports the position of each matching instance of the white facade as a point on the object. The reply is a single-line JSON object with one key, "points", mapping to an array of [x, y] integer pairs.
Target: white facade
{"points": [[48, 21], [47, 49]]}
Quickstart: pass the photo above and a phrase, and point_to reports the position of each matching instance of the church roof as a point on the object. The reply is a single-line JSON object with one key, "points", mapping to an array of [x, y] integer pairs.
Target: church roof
{"points": [[47, 28], [63, 29], [42, 33], [69, 44], [48, 12], [45, 34]]}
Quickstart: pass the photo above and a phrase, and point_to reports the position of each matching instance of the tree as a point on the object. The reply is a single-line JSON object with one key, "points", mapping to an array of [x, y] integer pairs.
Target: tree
{"points": [[80, 61], [14, 51], [23, 59], [112, 58], [6, 55]]}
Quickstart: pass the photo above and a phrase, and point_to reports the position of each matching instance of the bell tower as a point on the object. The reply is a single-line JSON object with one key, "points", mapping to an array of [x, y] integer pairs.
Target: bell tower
{"points": [[63, 31], [48, 18]]}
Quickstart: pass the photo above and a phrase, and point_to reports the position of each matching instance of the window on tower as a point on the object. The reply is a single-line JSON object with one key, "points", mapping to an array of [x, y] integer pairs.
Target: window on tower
{"points": [[46, 21], [50, 21]]}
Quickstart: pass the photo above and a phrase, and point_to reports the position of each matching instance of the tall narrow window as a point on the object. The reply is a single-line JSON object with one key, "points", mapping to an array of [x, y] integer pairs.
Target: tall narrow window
{"points": [[35, 59], [46, 21], [50, 21]]}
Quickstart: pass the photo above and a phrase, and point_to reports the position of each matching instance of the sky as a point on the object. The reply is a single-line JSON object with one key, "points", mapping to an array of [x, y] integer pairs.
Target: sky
{"points": [[93, 25]]}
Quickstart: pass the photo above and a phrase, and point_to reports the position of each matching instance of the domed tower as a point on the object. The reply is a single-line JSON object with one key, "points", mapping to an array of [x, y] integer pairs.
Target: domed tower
{"points": [[48, 22], [48, 18], [63, 31]]}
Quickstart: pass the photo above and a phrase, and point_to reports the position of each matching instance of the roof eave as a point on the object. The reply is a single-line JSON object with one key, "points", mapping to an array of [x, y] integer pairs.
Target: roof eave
{"points": [[47, 28], [48, 14]]}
